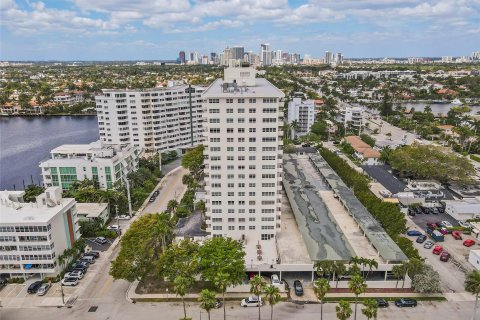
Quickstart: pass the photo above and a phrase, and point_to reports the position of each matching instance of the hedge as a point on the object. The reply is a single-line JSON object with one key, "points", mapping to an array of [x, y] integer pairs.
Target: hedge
{"points": [[387, 214], [475, 158]]}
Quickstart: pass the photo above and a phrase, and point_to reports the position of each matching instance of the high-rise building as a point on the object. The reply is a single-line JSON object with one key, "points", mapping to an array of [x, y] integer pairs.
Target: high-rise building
{"points": [[265, 54], [214, 58], [181, 57], [243, 156], [328, 57], [237, 53], [303, 112], [103, 164], [156, 119], [476, 55], [204, 59], [35, 234], [339, 58]]}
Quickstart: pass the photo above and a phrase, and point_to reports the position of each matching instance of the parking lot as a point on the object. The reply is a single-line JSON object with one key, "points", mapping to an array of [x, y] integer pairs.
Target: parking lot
{"points": [[422, 219]]}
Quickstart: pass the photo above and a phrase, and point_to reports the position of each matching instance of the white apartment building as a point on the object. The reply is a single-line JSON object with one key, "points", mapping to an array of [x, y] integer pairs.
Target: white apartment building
{"points": [[33, 235], [68, 98], [243, 163], [104, 164], [303, 112], [157, 119], [351, 117]]}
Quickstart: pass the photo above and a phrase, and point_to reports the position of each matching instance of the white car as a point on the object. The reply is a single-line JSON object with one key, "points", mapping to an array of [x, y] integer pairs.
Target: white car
{"points": [[123, 217], [43, 289], [446, 224], [101, 240], [74, 274], [464, 224], [70, 282], [113, 227], [251, 301], [275, 280]]}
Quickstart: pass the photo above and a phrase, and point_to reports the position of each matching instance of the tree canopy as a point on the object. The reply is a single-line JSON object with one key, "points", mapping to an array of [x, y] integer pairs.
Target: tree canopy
{"points": [[431, 162], [193, 160]]}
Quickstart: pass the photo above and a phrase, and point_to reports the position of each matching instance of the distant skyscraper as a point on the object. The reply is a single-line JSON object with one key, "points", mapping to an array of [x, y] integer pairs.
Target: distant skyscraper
{"points": [[328, 57], [204, 59], [181, 57], [339, 58], [213, 57], [237, 53], [265, 54]]}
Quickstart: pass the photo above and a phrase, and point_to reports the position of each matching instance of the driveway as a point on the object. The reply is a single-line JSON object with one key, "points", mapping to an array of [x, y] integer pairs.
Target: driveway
{"points": [[382, 174]]}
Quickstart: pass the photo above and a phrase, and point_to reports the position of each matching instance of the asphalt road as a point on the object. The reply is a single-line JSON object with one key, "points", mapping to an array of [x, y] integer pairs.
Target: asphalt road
{"points": [[382, 175]]}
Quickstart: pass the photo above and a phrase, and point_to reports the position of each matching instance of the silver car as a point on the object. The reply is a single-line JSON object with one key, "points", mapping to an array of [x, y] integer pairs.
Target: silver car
{"points": [[43, 289], [428, 244]]}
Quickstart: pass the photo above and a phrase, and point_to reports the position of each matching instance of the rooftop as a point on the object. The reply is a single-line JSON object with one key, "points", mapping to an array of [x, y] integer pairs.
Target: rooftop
{"points": [[372, 229], [92, 210], [190, 226], [262, 88], [14, 211]]}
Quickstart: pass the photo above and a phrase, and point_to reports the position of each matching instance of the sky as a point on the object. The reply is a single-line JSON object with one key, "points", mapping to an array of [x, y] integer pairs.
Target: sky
{"points": [[159, 29]]}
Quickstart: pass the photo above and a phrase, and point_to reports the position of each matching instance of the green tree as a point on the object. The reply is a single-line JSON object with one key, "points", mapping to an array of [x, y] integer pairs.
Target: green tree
{"points": [[371, 308], [180, 259], [321, 287], [344, 311], [172, 205], [222, 281], [427, 281], [181, 285], [222, 255], [295, 126], [207, 301], [472, 285], [324, 268], [256, 287], [193, 161], [339, 269], [357, 286], [31, 192], [272, 296], [398, 272]]}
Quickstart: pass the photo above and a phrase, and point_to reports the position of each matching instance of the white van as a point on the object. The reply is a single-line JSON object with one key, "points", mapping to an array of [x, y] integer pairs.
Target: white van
{"points": [[89, 259]]}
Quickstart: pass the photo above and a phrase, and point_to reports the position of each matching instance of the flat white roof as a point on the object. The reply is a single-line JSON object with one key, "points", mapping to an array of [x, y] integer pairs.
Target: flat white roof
{"points": [[92, 210], [13, 212], [78, 148], [262, 88]]}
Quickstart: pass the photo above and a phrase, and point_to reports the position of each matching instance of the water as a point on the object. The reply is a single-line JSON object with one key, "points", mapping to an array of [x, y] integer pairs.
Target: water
{"points": [[437, 108], [25, 141]]}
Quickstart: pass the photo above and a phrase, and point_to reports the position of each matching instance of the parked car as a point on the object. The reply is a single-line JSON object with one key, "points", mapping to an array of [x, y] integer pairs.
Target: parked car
{"points": [[113, 227], [70, 282], [415, 233], [89, 259], [468, 242], [74, 274], [441, 209], [251, 301], [3, 282], [428, 244], [446, 224], [93, 253], [456, 235], [382, 303], [464, 224], [101, 240], [435, 210], [43, 289], [421, 239], [34, 287], [275, 280], [123, 217], [405, 302], [155, 193], [411, 213], [297, 285], [437, 250], [81, 265], [218, 303], [444, 256], [432, 225], [152, 199]]}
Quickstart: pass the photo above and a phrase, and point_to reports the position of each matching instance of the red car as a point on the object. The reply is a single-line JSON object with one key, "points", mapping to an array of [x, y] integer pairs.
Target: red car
{"points": [[437, 250], [457, 235], [444, 256], [432, 225], [468, 243]]}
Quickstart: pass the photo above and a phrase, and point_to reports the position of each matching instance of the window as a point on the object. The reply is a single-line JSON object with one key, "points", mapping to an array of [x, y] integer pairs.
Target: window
{"points": [[269, 100], [268, 120], [269, 130], [252, 110], [229, 130], [229, 110], [217, 227], [214, 120], [266, 236], [214, 130], [216, 219], [268, 194], [252, 130], [214, 101], [214, 139], [241, 120], [269, 110], [269, 139], [252, 100], [267, 157], [229, 139], [241, 227], [231, 219], [230, 149], [268, 211], [231, 227], [229, 100], [241, 130], [241, 110], [241, 100], [229, 120], [252, 139], [252, 120], [251, 227]]}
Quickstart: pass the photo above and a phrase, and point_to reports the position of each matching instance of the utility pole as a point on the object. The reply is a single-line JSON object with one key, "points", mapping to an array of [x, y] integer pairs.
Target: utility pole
{"points": [[63, 295], [160, 160], [128, 196]]}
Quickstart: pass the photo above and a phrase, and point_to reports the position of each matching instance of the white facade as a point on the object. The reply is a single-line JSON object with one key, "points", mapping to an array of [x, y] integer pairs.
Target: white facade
{"points": [[68, 98], [302, 111], [463, 209], [351, 117], [104, 164], [243, 163], [33, 235], [474, 259], [157, 119]]}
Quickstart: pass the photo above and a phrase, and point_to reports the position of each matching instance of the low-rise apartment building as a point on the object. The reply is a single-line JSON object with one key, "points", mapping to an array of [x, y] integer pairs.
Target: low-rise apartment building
{"points": [[301, 112], [363, 151], [104, 164], [33, 235], [351, 117], [157, 119]]}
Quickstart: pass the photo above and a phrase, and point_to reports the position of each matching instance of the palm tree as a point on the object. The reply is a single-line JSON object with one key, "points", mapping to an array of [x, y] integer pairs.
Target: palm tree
{"points": [[357, 286], [172, 205], [321, 287], [272, 295], [222, 281], [371, 263], [256, 287], [181, 285], [371, 308], [343, 310], [294, 125], [324, 268], [398, 272], [472, 285], [207, 300], [339, 269]]}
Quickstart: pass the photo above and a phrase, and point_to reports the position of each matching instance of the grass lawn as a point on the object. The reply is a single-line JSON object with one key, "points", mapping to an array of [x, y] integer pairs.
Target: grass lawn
{"points": [[154, 285]]}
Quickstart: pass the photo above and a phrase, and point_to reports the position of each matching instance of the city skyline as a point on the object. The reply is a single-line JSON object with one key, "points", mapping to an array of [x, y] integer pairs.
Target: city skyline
{"points": [[118, 30]]}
